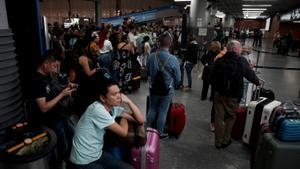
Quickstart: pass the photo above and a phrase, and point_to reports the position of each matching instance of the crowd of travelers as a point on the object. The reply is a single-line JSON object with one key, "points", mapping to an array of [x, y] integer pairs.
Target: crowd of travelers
{"points": [[87, 73], [97, 66]]}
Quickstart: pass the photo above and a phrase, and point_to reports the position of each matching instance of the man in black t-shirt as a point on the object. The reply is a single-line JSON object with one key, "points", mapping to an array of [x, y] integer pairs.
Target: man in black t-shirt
{"points": [[46, 98]]}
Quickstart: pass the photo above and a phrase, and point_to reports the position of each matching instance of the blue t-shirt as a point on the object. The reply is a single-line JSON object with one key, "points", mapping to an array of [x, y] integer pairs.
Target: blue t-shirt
{"points": [[88, 138]]}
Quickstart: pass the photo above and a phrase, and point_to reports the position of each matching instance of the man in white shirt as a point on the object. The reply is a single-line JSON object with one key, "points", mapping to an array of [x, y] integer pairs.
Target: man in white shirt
{"points": [[131, 36]]}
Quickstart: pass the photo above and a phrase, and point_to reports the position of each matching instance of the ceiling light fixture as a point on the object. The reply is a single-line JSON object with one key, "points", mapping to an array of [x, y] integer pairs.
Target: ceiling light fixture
{"points": [[262, 17], [260, 0], [182, 0], [220, 14], [266, 5], [254, 9], [251, 17]]}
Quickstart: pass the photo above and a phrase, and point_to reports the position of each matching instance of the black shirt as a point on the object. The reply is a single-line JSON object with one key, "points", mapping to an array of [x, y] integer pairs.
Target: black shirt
{"points": [[192, 52], [227, 75], [41, 88]]}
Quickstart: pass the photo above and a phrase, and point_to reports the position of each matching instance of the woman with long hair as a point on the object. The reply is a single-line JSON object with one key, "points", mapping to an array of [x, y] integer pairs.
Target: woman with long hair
{"points": [[106, 49], [123, 64], [87, 66]]}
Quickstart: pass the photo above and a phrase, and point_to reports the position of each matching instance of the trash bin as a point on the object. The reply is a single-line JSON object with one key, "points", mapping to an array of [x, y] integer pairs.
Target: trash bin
{"points": [[27, 148]]}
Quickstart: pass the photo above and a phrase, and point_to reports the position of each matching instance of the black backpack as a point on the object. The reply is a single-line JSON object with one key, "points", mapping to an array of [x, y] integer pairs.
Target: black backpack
{"points": [[159, 86]]}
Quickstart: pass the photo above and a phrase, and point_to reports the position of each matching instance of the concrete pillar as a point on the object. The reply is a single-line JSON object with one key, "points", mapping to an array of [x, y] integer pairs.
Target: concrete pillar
{"points": [[229, 21], [118, 4], [97, 12], [3, 15], [198, 13], [202, 19]]}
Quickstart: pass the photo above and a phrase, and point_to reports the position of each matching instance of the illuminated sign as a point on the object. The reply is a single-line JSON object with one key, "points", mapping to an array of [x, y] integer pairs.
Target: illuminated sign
{"points": [[295, 14], [286, 17]]}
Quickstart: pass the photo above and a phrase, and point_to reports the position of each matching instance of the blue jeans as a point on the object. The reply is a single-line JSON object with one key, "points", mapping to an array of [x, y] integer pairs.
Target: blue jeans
{"points": [[106, 161], [158, 110], [188, 67], [64, 131], [105, 60]]}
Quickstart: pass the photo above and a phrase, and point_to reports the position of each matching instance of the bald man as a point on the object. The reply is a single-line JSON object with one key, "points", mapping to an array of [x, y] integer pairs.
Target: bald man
{"points": [[227, 80]]}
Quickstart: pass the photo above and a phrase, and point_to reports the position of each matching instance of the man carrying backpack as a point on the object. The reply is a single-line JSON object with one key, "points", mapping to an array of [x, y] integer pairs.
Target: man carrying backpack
{"points": [[227, 80], [164, 72]]}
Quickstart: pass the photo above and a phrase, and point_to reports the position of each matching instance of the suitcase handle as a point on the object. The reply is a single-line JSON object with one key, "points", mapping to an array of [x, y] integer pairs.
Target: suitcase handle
{"points": [[258, 89]]}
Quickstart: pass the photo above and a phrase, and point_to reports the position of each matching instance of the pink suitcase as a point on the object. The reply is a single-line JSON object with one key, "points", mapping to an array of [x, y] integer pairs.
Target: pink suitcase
{"points": [[147, 157]]}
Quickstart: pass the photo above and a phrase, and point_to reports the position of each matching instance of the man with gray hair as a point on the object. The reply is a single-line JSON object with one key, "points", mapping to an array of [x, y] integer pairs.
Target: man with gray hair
{"points": [[227, 80]]}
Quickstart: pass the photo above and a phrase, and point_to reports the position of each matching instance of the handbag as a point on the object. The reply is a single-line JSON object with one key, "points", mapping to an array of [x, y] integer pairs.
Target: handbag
{"points": [[136, 136]]}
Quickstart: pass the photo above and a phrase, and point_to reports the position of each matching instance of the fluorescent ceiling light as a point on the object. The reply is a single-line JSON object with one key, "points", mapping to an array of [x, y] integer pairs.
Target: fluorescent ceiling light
{"points": [[260, 0], [220, 14], [254, 9], [182, 0], [262, 16], [250, 17], [251, 13], [266, 5]]}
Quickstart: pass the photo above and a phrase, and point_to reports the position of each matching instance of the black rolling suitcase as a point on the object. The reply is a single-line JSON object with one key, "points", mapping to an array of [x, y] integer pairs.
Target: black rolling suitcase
{"points": [[253, 120], [136, 76]]}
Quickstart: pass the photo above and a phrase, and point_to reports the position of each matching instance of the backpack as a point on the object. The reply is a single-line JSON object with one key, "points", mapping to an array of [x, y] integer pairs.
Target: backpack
{"points": [[227, 76], [159, 86]]}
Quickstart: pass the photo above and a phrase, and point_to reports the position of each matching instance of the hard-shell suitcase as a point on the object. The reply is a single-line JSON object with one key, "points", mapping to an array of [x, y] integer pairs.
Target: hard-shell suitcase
{"points": [[275, 154], [267, 111], [147, 157], [264, 128], [135, 83], [250, 91], [176, 119], [239, 124], [253, 120], [136, 76], [144, 74], [289, 129], [285, 110]]}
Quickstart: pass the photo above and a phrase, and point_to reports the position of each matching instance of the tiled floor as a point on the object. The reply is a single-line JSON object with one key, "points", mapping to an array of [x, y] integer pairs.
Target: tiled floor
{"points": [[195, 148]]}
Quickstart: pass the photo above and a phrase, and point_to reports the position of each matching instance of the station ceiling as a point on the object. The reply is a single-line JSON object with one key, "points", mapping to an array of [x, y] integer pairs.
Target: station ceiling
{"points": [[234, 7]]}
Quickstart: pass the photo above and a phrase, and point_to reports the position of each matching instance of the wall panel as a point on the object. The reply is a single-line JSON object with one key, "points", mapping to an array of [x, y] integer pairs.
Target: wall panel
{"points": [[249, 24]]}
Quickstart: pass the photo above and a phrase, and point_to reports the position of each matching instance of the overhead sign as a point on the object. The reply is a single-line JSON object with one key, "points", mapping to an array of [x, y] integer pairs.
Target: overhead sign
{"points": [[295, 14], [202, 31]]}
